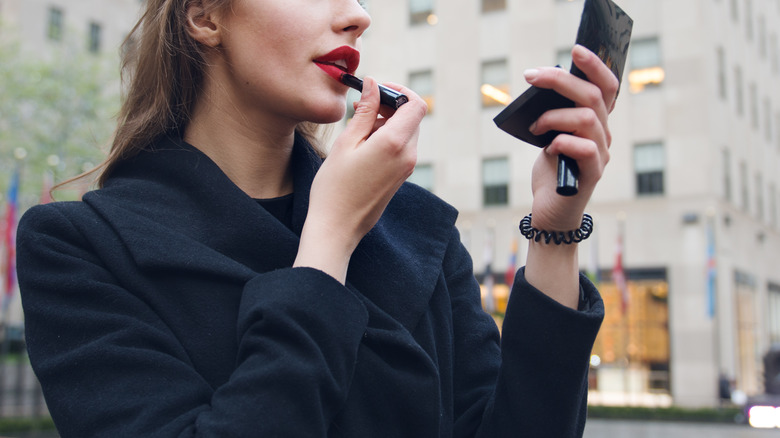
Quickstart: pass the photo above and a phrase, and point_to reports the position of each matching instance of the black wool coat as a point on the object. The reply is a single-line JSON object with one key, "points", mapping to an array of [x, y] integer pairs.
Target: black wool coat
{"points": [[165, 305]]}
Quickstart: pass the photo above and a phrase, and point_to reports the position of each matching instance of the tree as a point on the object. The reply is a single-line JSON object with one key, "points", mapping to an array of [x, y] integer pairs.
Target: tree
{"points": [[57, 113]]}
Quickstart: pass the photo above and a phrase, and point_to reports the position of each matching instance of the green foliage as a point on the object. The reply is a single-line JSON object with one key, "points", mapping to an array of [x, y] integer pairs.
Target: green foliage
{"points": [[19, 425], [674, 413], [57, 109]]}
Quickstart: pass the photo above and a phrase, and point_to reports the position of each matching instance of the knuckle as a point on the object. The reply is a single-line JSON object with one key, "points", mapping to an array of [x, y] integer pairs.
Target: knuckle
{"points": [[589, 118], [593, 97], [612, 85]]}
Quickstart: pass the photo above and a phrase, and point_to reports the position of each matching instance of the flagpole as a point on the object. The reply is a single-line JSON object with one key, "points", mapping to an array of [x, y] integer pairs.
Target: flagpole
{"points": [[712, 290], [619, 277]]}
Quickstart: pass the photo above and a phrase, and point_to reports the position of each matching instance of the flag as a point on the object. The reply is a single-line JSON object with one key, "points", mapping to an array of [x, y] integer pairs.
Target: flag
{"points": [[619, 276], [710, 271], [509, 275], [9, 240]]}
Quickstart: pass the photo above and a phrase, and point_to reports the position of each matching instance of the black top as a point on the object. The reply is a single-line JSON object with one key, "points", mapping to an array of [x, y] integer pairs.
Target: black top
{"points": [[281, 208]]}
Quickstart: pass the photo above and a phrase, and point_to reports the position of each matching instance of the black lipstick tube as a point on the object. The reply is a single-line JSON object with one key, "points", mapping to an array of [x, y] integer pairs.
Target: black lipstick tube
{"points": [[387, 96]]}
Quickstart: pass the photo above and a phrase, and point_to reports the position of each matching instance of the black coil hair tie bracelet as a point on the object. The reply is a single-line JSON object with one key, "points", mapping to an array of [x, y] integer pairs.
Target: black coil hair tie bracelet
{"points": [[559, 237]]}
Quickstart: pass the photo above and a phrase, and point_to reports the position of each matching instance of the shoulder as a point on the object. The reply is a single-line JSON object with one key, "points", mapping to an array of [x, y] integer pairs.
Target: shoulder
{"points": [[55, 217]]}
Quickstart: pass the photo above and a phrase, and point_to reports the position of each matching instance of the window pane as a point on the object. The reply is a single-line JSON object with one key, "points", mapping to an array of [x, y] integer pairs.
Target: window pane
{"points": [[645, 53], [55, 24], [495, 171], [420, 10], [493, 5], [649, 157], [422, 84], [563, 58], [649, 166], [495, 83], [727, 174], [423, 176], [721, 73], [495, 181], [740, 96], [94, 37]]}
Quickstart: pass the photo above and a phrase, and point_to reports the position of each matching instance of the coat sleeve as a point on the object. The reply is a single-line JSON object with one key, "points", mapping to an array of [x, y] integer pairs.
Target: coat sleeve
{"points": [[110, 367], [533, 381]]}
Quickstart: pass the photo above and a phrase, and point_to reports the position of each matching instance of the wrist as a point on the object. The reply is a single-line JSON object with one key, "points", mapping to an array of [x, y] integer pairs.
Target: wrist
{"points": [[325, 251], [572, 236]]}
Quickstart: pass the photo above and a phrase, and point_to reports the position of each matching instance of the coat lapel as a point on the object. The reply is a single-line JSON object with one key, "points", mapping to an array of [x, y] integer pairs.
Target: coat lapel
{"points": [[176, 210]]}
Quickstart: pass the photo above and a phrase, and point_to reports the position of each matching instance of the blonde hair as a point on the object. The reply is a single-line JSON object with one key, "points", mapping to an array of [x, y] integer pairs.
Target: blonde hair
{"points": [[163, 69]]}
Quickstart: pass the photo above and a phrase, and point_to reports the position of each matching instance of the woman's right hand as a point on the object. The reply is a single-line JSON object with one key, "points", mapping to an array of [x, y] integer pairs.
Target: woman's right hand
{"points": [[367, 164]]}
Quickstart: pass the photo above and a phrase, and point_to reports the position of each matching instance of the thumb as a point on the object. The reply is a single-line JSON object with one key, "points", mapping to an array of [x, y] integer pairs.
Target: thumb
{"points": [[366, 112]]}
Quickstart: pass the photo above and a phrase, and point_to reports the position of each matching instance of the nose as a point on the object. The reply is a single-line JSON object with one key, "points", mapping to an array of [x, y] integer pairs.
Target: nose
{"points": [[350, 17]]}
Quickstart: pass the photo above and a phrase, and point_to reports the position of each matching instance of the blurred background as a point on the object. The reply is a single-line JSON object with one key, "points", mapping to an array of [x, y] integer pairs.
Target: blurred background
{"points": [[686, 249]]}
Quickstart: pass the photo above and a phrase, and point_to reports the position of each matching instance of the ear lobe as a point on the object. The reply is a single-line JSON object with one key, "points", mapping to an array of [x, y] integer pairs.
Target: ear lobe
{"points": [[202, 26]]}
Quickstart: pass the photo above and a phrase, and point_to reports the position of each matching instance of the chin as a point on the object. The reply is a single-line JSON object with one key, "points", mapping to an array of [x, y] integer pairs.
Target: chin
{"points": [[328, 114]]}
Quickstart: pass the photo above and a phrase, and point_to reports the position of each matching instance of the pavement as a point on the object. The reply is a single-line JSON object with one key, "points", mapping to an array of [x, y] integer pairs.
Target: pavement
{"points": [[596, 428]]}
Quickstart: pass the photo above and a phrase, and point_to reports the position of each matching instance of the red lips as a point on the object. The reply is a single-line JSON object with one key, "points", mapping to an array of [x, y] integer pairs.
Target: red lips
{"points": [[344, 59]]}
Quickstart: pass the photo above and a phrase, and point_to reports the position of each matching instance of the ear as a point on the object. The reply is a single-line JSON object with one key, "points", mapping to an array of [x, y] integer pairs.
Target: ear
{"points": [[203, 26]]}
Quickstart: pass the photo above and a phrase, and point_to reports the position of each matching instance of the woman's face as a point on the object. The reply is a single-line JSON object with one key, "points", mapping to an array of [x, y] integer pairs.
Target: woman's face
{"points": [[282, 56]]}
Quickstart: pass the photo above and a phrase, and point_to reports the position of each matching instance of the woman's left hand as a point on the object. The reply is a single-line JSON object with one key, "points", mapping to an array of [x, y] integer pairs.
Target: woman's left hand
{"points": [[588, 142]]}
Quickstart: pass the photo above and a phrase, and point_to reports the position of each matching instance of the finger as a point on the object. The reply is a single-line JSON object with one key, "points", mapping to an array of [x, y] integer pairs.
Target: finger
{"points": [[366, 110], [591, 159], [581, 122], [403, 123], [598, 73]]}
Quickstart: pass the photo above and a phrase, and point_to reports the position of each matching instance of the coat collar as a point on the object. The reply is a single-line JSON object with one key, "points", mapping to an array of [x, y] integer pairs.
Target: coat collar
{"points": [[174, 209]]}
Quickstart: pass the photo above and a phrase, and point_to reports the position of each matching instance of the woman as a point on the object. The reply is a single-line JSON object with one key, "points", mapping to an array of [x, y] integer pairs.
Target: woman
{"points": [[225, 281]]}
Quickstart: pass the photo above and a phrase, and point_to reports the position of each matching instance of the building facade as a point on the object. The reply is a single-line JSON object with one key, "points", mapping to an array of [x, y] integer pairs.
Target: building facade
{"points": [[100, 26], [690, 194]]}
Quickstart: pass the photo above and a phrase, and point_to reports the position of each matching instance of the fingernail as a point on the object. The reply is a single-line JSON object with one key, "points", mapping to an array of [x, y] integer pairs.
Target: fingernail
{"points": [[532, 128], [531, 74]]}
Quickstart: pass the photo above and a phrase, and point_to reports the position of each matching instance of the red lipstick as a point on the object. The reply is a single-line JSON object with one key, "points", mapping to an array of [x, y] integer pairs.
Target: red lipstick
{"points": [[344, 59], [387, 96]]}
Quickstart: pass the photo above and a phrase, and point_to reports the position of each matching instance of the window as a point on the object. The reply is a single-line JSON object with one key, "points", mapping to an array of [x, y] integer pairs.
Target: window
{"points": [[743, 182], [747, 324], [649, 167], [749, 19], [638, 336], [495, 181], [645, 62], [767, 120], [773, 205], [495, 83], [762, 36], [760, 197], [753, 105], [423, 176], [727, 174], [563, 58], [493, 5], [773, 305], [740, 95], [773, 54], [721, 73], [54, 29], [422, 83], [94, 37], [734, 11], [421, 12]]}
